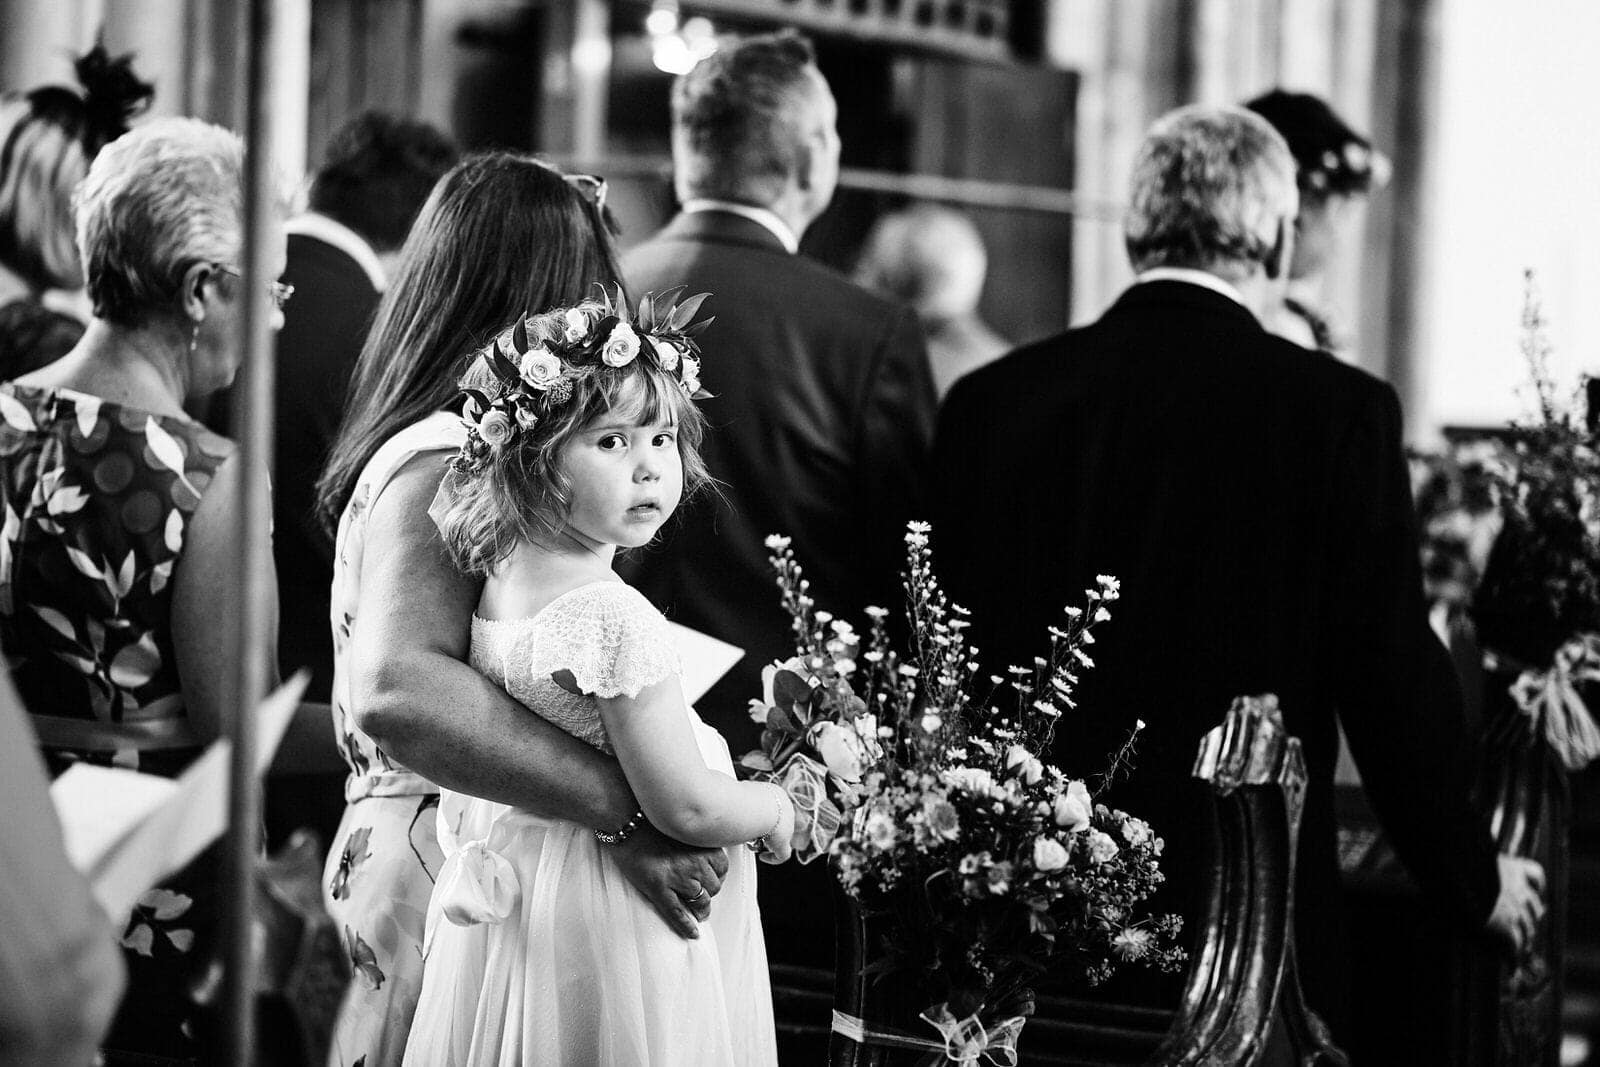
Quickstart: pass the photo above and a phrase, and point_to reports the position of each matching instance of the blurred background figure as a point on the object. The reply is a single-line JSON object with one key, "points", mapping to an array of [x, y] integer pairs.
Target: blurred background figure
{"points": [[1336, 169], [60, 973], [933, 259], [51, 135], [119, 586], [374, 178]]}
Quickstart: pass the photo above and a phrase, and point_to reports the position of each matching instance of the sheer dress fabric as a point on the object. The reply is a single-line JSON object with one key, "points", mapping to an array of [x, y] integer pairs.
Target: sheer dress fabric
{"points": [[385, 855], [539, 952]]}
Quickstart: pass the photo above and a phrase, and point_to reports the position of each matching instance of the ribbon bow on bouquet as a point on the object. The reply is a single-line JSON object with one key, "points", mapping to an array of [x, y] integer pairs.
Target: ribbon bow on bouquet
{"points": [[816, 817], [1550, 699], [965, 1040]]}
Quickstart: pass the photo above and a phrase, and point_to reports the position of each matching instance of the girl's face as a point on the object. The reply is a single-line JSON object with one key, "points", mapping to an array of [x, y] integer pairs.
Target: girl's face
{"points": [[627, 478]]}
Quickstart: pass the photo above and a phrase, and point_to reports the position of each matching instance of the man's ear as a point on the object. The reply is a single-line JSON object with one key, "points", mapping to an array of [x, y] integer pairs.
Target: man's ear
{"points": [[193, 297], [806, 157], [1277, 264]]}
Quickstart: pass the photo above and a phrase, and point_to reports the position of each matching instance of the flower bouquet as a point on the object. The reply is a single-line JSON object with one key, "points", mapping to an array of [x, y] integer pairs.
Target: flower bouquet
{"points": [[928, 790], [1537, 608]]}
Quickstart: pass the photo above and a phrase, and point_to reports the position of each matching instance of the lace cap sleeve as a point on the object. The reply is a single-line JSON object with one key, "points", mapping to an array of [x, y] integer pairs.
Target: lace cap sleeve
{"points": [[609, 636]]}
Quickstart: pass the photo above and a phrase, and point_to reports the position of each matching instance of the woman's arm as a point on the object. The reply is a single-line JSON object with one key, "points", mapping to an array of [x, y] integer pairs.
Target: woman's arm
{"points": [[208, 599], [656, 746], [61, 975], [415, 695]]}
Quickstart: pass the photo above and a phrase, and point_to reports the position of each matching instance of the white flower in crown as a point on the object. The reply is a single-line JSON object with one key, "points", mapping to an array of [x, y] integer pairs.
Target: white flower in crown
{"points": [[540, 367], [691, 375], [621, 347], [495, 428], [577, 325], [667, 354]]}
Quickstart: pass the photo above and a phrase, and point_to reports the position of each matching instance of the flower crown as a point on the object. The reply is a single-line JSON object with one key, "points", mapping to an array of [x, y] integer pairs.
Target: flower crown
{"points": [[537, 375]]}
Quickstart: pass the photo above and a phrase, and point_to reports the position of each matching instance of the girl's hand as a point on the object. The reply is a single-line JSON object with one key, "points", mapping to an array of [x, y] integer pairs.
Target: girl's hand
{"points": [[778, 844]]}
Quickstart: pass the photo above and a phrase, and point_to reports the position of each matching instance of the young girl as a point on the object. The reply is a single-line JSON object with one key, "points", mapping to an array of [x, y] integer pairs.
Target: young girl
{"points": [[581, 439]]}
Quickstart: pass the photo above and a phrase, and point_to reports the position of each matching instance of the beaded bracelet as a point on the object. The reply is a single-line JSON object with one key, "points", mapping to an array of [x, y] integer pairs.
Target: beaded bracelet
{"points": [[760, 843], [624, 832]]}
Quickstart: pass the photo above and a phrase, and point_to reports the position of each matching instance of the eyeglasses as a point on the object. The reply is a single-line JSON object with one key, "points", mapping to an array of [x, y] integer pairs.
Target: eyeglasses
{"points": [[280, 292], [593, 188]]}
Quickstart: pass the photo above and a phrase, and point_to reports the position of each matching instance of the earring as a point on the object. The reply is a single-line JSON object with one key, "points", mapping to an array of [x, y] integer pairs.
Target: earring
{"points": [[194, 339]]}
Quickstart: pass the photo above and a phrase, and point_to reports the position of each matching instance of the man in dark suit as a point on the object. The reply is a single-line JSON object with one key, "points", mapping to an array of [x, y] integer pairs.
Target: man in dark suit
{"points": [[823, 404], [1253, 499], [377, 173]]}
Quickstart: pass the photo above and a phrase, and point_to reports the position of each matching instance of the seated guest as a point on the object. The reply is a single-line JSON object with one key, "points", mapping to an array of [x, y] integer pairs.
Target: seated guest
{"points": [[1336, 169], [376, 174], [51, 135], [1253, 499], [118, 568], [932, 258], [60, 972]]}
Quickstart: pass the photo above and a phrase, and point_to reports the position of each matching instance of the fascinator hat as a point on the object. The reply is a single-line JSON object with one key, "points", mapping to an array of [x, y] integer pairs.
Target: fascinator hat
{"points": [[112, 97], [533, 367], [1331, 158]]}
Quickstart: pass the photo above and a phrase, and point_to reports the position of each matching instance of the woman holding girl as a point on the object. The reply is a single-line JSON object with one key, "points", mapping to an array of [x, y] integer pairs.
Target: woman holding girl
{"points": [[582, 439], [500, 233]]}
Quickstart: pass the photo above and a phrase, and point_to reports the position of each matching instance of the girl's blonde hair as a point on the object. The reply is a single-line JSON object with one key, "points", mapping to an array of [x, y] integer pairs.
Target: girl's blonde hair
{"points": [[518, 492]]}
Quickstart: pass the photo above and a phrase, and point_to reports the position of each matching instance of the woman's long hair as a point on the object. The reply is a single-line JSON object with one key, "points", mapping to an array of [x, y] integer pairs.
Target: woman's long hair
{"points": [[501, 236]]}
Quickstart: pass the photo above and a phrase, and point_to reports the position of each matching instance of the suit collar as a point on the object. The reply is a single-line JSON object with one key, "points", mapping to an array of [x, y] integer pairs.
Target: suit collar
{"points": [[724, 228], [332, 232], [1168, 292]]}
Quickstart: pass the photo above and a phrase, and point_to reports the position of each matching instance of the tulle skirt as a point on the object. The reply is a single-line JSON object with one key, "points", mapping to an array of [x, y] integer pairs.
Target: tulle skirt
{"points": [[539, 952]]}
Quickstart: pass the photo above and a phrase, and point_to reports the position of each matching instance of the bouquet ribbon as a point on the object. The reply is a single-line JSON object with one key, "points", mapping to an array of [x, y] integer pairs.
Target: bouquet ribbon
{"points": [[816, 817], [1550, 700], [962, 1041]]}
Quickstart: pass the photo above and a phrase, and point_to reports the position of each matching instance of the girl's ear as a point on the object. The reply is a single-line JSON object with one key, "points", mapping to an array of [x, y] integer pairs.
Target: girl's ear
{"points": [[193, 295]]}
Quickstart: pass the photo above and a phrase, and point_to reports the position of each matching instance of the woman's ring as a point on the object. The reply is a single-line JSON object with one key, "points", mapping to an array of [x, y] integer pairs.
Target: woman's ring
{"points": [[697, 896]]}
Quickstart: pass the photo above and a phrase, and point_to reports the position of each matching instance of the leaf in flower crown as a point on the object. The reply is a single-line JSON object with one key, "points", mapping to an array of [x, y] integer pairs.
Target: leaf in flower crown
{"points": [[519, 336], [694, 329], [645, 315], [620, 309], [684, 312], [480, 398], [502, 366]]}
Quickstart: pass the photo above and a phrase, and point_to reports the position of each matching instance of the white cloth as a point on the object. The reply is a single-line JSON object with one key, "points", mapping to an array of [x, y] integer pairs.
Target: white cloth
{"points": [[580, 969], [759, 215], [335, 233], [1204, 279]]}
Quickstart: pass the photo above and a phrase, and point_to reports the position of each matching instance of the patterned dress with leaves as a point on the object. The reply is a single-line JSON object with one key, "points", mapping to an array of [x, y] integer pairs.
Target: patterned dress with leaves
{"points": [[385, 856], [96, 500]]}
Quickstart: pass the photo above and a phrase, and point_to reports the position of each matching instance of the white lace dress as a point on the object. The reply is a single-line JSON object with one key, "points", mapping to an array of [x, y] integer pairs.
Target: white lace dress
{"points": [[538, 951]]}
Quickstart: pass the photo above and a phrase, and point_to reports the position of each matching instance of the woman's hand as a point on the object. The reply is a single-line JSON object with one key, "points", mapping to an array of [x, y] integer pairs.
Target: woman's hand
{"points": [[779, 844]]}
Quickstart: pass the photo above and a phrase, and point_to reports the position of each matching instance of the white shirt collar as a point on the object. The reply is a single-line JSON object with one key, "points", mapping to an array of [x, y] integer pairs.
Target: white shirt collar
{"points": [[346, 240], [1204, 279], [760, 215]]}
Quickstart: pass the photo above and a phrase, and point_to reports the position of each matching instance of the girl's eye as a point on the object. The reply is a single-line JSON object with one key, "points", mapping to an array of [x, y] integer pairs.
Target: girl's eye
{"points": [[664, 438], [613, 441]]}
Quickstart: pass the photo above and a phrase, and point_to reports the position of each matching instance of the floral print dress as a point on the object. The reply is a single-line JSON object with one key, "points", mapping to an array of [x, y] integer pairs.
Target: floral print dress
{"points": [[385, 855], [96, 500]]}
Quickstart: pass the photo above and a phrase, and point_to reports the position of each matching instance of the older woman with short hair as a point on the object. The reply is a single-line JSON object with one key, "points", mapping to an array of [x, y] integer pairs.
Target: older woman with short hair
{"points": [[117, 572]]}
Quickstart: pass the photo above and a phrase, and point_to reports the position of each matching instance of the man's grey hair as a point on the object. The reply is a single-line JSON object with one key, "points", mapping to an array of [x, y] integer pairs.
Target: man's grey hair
{"points": [[1210, 185], [164, 196], [741, 116]]}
